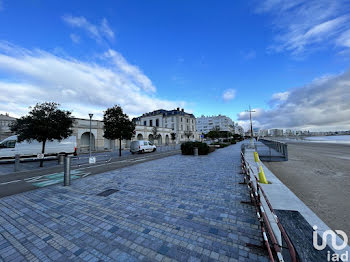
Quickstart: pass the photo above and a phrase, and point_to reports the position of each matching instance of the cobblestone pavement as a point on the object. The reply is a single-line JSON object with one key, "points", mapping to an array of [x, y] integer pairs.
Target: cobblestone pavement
{"points": [[181, 208]]}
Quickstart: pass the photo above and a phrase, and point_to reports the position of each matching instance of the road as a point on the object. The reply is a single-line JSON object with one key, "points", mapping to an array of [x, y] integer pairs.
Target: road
{"points": [[19, 182]]}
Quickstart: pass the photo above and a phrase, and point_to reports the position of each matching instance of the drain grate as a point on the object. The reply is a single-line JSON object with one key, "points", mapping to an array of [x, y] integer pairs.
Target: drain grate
{"points": [[108, 192]]}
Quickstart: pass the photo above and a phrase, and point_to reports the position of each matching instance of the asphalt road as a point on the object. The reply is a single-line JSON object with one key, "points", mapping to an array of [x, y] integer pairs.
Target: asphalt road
{"points": [[19, 182]]}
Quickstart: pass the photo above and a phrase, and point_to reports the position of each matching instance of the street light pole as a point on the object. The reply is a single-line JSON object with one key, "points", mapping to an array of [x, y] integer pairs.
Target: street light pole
{"points": [[251, 124], [90, 115]]}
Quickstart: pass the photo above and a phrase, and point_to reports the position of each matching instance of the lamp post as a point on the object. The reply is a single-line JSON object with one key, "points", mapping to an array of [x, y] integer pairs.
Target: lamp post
{"points": [[251, 124], [90, 115]]}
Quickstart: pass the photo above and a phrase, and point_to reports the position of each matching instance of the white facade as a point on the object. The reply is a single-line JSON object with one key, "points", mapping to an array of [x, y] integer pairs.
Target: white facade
{"points": [[207, 123], [276, 132], [177, 121], [5, 122], [239, 130]]}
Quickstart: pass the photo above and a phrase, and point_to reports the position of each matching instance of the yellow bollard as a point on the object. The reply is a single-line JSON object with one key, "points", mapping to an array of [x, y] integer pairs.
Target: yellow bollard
{"points": [[262, 178], [256, 157]]}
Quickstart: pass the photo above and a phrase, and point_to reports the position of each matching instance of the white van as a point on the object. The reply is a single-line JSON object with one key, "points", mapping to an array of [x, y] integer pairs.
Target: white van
{"points": [[9, 147], [142, 146]]}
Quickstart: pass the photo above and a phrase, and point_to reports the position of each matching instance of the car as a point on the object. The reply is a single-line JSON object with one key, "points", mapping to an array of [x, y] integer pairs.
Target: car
{"points": [[142, 146], [10, 147]]}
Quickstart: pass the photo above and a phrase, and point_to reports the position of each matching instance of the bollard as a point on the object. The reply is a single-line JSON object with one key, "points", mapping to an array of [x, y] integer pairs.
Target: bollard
{"points": [[16, 167], [195, 151], [60, 159], [66, 180]]}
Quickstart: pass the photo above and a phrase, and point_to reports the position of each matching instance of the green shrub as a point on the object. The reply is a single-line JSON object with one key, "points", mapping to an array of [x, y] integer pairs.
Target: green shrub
{"points": [[233, 142], [187, 148]]}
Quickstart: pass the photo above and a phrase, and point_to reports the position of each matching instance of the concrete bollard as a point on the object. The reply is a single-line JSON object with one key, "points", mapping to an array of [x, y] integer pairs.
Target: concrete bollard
{"points": [[60, 159], [16, 167], [195, 151], [67, 163]]}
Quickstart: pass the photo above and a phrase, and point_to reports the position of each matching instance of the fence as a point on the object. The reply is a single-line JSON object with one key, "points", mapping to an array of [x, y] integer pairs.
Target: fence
{"points": [[274, 249], [270, 150]]}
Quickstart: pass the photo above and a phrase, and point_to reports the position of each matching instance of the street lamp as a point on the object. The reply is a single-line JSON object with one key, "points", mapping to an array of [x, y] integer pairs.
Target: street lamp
{"points": [[251, 124], [90, 115]]}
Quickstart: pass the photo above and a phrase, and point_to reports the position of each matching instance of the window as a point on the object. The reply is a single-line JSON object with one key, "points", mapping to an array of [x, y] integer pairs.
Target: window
{"points": [[145, 143], [150, 123], [172, 119], [166, 125], [172, 126], [8, 144], [192, 121], [182, 127], [157, 122], [181, 119], [145, 123], [187, 120]]}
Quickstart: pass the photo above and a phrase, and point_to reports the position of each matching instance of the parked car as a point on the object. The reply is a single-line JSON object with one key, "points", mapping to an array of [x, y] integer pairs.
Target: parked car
{"points": [[141, 146], [9, 147]]}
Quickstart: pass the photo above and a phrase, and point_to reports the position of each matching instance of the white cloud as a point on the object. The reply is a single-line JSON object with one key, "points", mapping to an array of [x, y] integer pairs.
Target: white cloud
{"points": [[303, 26], [37, 76], [75, 38], [321, 105], [229, 94], [97, 32], [282, 96]]}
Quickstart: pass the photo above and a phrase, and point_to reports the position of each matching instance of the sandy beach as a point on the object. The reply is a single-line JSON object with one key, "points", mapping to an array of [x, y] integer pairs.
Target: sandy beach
{"points": [[319, 174]]}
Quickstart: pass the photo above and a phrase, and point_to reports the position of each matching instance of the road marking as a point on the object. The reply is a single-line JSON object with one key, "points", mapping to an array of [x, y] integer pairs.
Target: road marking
{"points": [[9, 182]]}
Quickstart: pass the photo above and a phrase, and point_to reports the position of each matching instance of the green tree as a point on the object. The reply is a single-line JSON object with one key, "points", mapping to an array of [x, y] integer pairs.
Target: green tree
{"points": [[117, 125], [173, 136], [45, 122], [188, 134], [155, 133]]}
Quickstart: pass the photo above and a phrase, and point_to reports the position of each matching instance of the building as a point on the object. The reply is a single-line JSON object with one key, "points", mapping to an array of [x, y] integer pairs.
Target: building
{"points": [[263, 132], [276, 132], [5, 122], [81, 130], [207, 123], [176, 121], [239, 130]]}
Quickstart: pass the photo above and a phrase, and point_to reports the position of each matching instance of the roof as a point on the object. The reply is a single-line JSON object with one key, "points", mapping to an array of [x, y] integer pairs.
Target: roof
{"points": [[6, 117], [164, 112]]}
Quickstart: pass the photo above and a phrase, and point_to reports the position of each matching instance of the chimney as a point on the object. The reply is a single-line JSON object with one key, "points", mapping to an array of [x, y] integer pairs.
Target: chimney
{"points": [[178, 109], [182, 110]]}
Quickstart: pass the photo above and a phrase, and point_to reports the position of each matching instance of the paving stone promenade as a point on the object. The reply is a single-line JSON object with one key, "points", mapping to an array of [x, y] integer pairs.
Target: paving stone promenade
{"points": [[179, 208]]}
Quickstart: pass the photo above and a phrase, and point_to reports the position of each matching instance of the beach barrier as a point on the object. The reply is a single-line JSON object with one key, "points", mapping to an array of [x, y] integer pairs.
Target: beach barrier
{"points": [[278, 146], [257, 194]]}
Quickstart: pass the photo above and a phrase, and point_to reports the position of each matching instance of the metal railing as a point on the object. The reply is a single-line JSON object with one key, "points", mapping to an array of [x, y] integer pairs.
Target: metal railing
{"points": [[256, 194], [278, 146]]}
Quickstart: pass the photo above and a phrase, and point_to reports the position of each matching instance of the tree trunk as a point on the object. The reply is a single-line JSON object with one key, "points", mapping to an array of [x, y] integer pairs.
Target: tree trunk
{"points": [[43, 152], [120, 147]]}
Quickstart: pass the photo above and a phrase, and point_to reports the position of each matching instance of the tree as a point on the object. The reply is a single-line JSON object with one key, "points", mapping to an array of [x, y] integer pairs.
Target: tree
{"points": [[173, 136], [155, 133], [188, 134], [117, 125], [45, 122]]}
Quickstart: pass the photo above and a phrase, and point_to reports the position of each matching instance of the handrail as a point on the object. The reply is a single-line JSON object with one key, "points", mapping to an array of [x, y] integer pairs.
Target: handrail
{"points": [[255, 196]]}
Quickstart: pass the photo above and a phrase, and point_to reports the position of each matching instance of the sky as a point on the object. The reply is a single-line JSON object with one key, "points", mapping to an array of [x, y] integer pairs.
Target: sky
{"points": [[288, 60]]}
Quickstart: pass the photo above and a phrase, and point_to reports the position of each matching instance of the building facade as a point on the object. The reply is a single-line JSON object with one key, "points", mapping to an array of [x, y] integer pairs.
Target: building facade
{"points": [[5, 122], [177, 121], [81, 130], [207, 123]]}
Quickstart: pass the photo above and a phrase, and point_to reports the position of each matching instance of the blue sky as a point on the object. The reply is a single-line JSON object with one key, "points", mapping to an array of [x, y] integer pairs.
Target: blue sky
{"points": [[210, 57]]}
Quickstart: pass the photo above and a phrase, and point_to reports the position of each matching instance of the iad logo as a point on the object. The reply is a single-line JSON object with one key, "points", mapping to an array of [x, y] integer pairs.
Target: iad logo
{"points": [[334, 257]]}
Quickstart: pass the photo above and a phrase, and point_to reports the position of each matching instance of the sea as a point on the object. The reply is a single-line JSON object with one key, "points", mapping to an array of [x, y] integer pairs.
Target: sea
{"points": [[329, 139]]}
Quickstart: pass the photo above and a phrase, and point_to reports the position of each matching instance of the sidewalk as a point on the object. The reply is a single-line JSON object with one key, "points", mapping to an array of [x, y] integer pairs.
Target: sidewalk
{"points": [[181, 208]]}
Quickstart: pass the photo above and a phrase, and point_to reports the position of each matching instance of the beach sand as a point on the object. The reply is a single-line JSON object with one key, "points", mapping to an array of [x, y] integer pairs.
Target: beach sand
{"points": [[319, 174]]}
